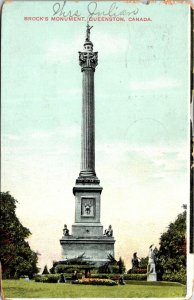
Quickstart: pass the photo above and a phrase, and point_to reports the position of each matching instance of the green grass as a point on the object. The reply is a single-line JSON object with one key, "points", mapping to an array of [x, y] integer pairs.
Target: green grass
{"points": [[22, 289]]}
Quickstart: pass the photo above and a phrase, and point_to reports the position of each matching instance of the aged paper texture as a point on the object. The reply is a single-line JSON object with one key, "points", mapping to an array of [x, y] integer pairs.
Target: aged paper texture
{"points": [[141, 91]]}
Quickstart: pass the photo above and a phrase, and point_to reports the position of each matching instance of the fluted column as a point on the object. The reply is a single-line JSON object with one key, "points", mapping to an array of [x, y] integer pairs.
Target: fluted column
{"points": [[88, 124], [88, 61]]}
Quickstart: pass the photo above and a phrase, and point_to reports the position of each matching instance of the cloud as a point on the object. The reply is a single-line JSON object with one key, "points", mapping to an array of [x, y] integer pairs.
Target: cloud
{"points": [[41, 144], [12, 137], [107, 44], [40, 135], [59, 51], [69, 94], [154, 84], [145, 163]]}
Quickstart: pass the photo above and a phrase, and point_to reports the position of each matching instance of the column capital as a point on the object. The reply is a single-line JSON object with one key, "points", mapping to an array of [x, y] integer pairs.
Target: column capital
{"points": [[88, 60]]}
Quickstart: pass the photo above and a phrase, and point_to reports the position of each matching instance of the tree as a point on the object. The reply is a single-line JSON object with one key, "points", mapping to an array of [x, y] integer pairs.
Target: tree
{"points": [[16, 256], [45, 271], [112, 266], [172, 251], [144, 262], [141, 268], [121, 265]]}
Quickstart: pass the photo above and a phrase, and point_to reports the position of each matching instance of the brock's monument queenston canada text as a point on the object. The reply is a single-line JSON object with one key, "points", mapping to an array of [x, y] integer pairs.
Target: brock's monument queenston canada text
{"points": [[87, 232]]}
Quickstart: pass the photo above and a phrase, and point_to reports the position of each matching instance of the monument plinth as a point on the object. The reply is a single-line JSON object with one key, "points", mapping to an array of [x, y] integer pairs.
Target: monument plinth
{"points": [[87, 232]]}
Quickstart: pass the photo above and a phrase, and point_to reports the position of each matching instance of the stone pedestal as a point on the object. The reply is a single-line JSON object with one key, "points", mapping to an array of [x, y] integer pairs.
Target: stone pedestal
{"points": [[87, 231], [95, 249], [152, 277]]}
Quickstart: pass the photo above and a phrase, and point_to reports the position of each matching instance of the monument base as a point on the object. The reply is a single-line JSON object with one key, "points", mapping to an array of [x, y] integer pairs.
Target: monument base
{"points": [[152, 277], [95, 249]]}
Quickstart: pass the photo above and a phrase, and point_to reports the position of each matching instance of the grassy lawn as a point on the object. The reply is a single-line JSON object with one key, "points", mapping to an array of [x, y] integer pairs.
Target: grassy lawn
{"points": [[22, 289]]}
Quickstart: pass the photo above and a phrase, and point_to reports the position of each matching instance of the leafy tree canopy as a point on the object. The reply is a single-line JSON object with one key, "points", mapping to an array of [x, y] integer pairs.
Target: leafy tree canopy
{"points": [[121, 265], [172, 251], [15, 254]]}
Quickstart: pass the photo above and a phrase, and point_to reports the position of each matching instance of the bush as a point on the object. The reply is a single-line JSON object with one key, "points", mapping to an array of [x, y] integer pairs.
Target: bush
{"points": [[37, 278], [100, 276], [115, 276], [114, 269], [140, 271], [137, 271], [68, 276], [135, 277], [95, 281], [49, 278], [60, 268], [175, 277]]}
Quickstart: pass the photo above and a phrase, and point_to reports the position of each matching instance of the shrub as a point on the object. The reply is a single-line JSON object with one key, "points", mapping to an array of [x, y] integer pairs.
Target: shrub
{"points": [[68, 276], [114, 269], [137, 271], [49, 278], [175, 277], [101, 276], [115, 276], [135, 276], [95, 281], [140, 271], [60, 268], [37, 278]]}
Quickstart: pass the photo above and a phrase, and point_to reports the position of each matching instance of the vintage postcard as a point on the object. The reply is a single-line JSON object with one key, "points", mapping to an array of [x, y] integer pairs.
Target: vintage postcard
{"points": [[96, 150]]}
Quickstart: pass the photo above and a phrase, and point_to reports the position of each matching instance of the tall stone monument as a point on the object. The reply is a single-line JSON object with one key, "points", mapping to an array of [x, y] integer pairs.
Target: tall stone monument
{"points": [[87, 232]]}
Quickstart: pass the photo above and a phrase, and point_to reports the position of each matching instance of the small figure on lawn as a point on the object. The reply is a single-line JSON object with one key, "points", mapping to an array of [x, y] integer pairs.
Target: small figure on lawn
{"points": [[74, 276], [121, 280], [87, 274], [62, 279]]}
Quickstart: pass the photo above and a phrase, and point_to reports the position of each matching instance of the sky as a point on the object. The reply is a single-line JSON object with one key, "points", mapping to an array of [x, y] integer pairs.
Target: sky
{"points": [[142, 120]]}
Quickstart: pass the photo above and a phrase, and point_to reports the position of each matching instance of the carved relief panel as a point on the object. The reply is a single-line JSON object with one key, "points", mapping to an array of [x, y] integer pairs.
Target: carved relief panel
{"points": [[88, 207]]}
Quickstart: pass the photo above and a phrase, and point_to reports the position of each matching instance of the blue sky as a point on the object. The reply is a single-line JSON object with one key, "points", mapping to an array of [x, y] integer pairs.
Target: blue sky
{"points": [[142, 107]]}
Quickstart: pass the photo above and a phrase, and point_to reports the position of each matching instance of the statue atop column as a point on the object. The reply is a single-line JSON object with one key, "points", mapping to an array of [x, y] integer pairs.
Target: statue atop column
{"points": [[88, 28], [88, 58]]}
